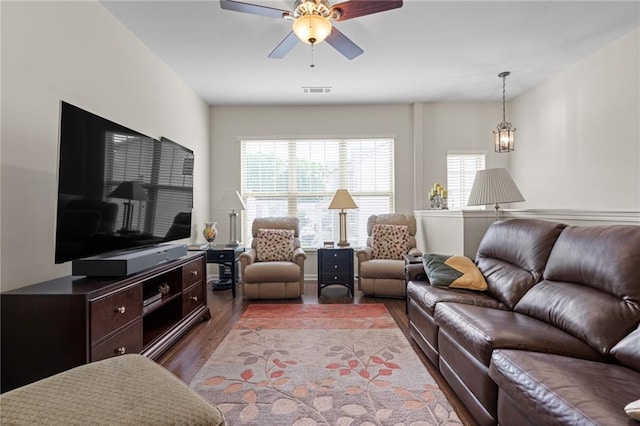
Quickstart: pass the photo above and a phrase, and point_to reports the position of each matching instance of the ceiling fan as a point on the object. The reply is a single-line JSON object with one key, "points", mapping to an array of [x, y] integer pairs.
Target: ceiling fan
{"points": [[312, 21]]}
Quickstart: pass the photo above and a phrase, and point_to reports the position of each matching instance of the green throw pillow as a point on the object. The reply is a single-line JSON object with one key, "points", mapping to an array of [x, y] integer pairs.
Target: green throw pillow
{"points": [[453, 271]]}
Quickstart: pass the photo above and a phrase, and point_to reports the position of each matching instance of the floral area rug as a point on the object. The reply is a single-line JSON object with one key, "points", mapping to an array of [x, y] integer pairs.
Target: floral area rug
{"points": [[320, 365]]}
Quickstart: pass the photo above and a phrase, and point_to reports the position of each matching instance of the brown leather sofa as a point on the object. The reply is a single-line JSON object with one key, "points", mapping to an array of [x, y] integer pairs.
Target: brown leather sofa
{"points": [[554, 339]]}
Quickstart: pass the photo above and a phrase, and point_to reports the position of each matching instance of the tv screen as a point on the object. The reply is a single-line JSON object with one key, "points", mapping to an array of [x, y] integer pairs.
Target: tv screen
{"points": [[118, 189]]}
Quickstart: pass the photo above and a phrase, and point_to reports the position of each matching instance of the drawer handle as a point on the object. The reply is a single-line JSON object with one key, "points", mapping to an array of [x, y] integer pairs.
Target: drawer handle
{"points": [[120, 351], [335, 266], [121, 310], [194, 273], [194, 298], [335, 254], [222, 256], [335, 278]]}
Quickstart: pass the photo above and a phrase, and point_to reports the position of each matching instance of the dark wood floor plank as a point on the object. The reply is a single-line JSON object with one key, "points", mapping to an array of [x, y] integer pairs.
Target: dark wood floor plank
{"points": [[190, 353]]}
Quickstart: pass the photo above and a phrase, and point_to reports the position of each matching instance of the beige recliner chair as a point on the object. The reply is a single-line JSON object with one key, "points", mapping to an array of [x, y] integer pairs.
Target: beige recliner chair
{"points": [[381, 262], [274, 266]]}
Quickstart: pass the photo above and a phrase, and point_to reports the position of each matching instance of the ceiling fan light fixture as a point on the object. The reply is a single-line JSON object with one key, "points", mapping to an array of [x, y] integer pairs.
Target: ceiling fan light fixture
{"points": [[312, 28]]}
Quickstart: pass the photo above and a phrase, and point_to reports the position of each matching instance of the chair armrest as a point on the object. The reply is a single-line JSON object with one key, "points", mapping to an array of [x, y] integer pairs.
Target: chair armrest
{"points": [[299, 256], [415, 272], [247, 258], [364, 254]]}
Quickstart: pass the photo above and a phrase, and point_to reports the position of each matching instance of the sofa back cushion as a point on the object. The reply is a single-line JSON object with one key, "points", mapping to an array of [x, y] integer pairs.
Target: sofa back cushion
{"points": [[591, 287], [513, 254]]}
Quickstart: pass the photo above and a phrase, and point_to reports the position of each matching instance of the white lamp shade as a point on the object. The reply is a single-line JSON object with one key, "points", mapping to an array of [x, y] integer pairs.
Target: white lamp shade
{"points": [[231, 200], [311, 28], [494, 186], [342, 200]]}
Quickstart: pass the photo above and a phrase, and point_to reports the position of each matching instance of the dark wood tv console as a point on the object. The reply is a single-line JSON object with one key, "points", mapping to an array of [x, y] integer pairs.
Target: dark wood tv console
{"points": [[55, 325]]}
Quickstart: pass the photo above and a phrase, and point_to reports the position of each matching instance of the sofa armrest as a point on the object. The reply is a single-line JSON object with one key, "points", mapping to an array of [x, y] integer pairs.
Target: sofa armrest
{"points": [[247, 258], [364, 254], [415, 272], [299, 256]]}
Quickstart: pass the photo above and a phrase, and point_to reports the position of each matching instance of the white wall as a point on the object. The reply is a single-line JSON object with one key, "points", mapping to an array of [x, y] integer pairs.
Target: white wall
{"points": [[578, 137], [77, 52], [456, 126]]}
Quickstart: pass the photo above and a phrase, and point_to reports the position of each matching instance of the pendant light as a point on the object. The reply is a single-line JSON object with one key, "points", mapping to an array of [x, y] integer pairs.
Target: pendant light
{"points": [[503, 134]]}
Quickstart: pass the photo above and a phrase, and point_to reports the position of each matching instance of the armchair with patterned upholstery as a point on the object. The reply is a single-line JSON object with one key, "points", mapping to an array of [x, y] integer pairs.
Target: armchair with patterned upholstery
{"points": [[381, 263], [274, 266]]}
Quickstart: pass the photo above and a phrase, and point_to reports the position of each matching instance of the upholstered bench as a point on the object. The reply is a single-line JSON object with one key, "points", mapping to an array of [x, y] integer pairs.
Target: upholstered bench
{"points": [[124, 390]]}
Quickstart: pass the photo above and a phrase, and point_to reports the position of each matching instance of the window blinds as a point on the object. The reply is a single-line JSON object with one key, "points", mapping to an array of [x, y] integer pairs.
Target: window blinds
{"points": [[298, 178]]}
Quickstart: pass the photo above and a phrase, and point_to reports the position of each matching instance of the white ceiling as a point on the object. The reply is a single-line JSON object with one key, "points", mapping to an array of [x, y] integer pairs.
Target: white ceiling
{"points": [[426, 51]]}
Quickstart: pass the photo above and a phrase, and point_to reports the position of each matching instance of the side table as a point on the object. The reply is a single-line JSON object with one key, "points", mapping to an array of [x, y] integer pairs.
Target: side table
{"points": [[335, 266], [228, 257], [408, 260]]}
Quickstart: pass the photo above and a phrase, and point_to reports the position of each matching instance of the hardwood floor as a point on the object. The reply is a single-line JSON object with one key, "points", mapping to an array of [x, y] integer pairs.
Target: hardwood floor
{"points": [[190, 353]]}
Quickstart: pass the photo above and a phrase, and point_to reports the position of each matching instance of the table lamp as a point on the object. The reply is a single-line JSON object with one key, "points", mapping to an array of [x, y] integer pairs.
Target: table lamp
{"points": [[342, 200], [494, 186], [231, 200]]}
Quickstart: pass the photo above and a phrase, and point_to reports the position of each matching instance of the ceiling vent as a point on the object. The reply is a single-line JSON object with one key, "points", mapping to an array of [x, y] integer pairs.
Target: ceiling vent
{"points": [[316, 89]]}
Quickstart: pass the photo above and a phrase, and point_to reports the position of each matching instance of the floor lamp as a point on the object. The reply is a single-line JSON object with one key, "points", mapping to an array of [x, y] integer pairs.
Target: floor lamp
{"points": [[494, 186], [231, 200], [342, 200]]}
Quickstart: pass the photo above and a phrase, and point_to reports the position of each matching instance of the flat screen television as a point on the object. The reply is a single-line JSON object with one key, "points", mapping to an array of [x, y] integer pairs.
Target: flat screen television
{"points": [[117, 188]]}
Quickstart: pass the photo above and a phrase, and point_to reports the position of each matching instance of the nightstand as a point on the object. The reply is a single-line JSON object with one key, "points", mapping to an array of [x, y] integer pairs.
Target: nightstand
{"points": [[227, 258], [335, 267]]}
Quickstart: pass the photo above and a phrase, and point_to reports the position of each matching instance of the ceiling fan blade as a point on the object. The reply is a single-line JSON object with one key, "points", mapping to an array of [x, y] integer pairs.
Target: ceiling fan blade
{"points": [[343, 45], [284, 47], [254, 9], [355, 8]]}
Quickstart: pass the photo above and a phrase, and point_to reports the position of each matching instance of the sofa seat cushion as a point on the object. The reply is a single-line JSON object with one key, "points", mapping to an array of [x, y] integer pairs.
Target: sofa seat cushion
{"points": [[382, 268], [271, 272], [427, 296], [480, 330], [124, 390], [554, 389]]}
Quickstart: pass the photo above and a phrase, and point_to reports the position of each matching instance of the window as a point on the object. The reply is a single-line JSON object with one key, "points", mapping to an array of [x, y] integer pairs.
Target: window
{"points": [[298, 178], [461, 171]]}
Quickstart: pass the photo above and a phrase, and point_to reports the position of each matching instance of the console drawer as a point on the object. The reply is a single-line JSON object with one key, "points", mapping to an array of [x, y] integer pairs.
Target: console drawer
{"points": [[192, 298], [127, 341], [115, 310], [192, 273]]}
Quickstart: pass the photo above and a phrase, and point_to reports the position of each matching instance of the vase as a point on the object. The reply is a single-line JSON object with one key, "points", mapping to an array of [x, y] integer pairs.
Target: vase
{"points": [[210, 232]]}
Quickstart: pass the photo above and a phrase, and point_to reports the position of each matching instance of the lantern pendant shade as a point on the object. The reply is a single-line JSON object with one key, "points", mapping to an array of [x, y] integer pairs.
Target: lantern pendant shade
{"points": [[503, 135]]}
